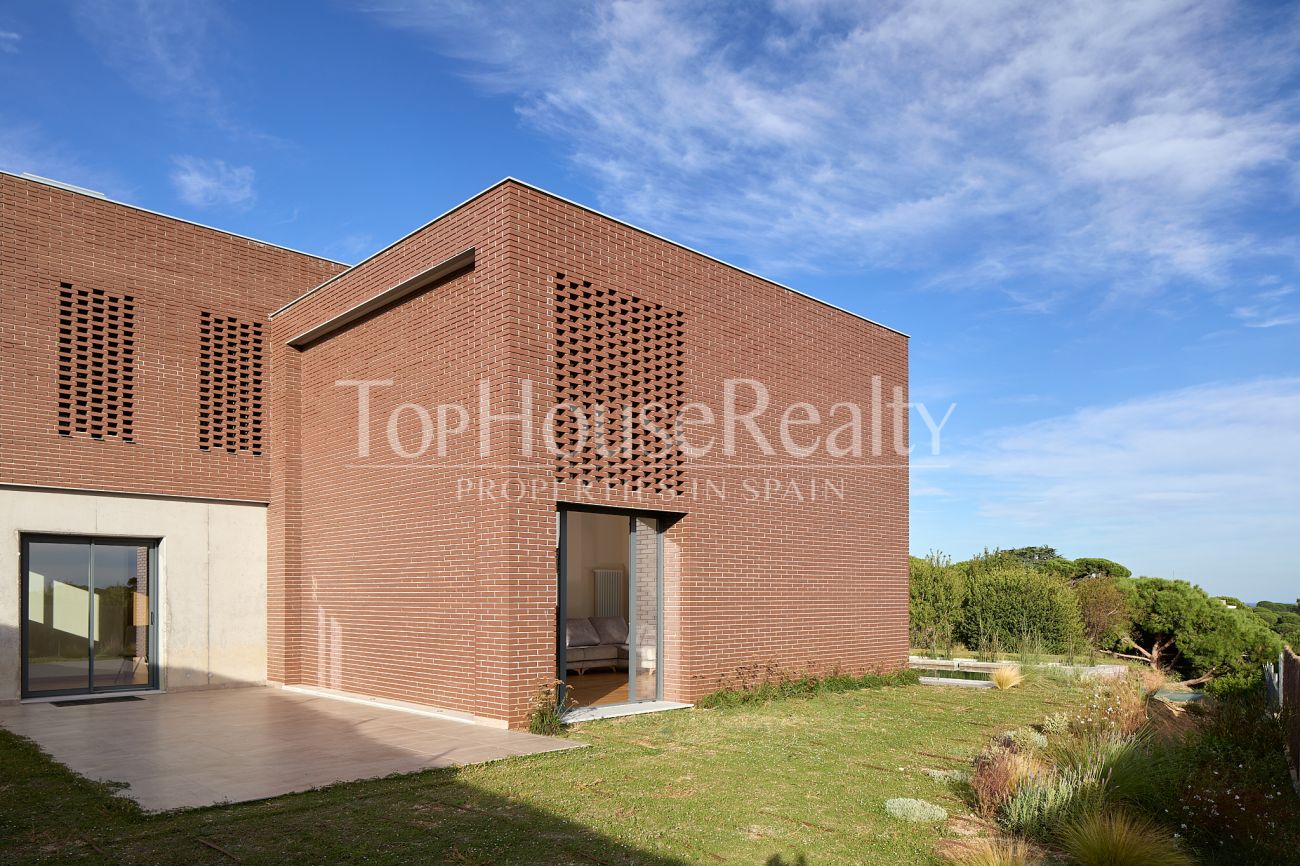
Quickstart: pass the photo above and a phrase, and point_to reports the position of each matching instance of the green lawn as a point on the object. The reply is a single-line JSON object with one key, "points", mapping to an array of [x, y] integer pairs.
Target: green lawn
{"points": [[795, 780]]}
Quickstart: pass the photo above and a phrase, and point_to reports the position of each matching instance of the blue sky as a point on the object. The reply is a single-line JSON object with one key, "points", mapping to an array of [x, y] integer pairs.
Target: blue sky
{"points": [[1085, 214]]}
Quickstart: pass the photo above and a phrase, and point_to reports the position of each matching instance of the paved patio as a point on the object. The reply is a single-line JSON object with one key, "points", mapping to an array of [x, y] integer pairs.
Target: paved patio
{"points": [[200, 748]]}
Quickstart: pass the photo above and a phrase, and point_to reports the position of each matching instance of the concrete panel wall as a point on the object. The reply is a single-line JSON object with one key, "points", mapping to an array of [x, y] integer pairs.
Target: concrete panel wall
{"points": [[211, 581]]}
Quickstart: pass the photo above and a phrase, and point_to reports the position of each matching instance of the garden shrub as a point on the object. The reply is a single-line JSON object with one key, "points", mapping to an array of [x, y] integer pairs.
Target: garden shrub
{"points": [[1007, 677], [775, 686], [998, 852], [937, 592], [1023, 740], [1104, 781], [1115, 706], [1044, 802], [1014, 603], [1235, 803], [916, 811], [547, 714], [999, 771], [1115, 838]]}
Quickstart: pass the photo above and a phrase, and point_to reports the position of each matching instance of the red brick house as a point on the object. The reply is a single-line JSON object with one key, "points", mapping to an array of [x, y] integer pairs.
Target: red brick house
{"points": [[526, 441]]}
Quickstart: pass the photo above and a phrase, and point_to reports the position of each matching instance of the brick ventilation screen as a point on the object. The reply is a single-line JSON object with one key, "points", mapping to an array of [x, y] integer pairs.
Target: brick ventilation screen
{"points": [[96, 363], [617, 358], [230, 384]]}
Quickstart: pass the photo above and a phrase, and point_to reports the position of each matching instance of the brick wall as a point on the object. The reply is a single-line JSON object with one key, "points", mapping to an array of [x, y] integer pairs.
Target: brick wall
{"points": [[380, 582], [144, 361], [801, 585], [386, 580]]}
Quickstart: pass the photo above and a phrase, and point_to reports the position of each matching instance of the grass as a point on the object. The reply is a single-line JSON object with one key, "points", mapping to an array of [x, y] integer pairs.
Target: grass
{"points": [[752, 783]]}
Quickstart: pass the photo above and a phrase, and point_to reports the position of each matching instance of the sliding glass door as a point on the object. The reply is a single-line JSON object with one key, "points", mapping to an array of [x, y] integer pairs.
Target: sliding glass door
{"points": [[609, 636], [88, 623]]}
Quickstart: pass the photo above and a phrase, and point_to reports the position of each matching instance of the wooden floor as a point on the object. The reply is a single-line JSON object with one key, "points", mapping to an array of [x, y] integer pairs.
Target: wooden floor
{"points": [[595, 689]]}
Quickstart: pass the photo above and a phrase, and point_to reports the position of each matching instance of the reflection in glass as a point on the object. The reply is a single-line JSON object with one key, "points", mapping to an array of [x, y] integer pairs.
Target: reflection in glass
{"points": [[121, 580], [646, 598], [58, 616], [87, 623]]}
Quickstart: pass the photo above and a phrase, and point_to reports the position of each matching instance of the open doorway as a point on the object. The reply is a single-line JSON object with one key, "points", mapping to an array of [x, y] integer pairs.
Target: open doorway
{"points": [[609, 637]]}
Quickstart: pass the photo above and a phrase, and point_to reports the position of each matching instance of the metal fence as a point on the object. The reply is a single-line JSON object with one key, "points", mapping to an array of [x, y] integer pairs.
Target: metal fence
{"points": [[1283, 683]]}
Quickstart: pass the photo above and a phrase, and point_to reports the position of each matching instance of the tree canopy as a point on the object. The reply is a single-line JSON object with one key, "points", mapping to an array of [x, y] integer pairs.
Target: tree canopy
{"points": [[1034, 597], [1178, 627]]}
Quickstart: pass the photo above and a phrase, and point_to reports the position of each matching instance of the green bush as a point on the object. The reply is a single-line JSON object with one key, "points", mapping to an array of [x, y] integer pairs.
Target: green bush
{"points": [[1043, 803], [937, 591], [777, 688], [1016, 606]]}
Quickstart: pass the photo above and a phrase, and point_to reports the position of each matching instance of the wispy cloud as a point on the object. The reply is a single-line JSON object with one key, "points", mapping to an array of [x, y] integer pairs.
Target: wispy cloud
{"points": [[10, 41], [1035, 147], [166, 50], [1189, 479], [1270, 308], [26, 147], [352, 247], [206, 183]]}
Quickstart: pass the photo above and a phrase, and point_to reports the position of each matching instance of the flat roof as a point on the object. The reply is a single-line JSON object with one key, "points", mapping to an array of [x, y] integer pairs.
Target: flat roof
{"points": [[591, 210], [99, 196]]}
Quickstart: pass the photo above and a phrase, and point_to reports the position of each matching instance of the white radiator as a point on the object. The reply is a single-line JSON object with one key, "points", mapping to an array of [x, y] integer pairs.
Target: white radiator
{"points": [[611, 587]]}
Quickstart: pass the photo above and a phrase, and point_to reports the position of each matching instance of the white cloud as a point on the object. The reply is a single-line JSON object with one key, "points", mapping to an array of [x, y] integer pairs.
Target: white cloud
{"points": [[206, 183], [1271, 308], [167, 50], [26, 147], [1191, 480], [1019, 144], [9, 41], [159, 46]]}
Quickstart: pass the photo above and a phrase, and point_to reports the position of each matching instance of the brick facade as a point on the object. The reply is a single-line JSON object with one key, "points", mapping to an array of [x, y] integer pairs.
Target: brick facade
{"points": [[101, 309], [433, 579], [439, 596]]}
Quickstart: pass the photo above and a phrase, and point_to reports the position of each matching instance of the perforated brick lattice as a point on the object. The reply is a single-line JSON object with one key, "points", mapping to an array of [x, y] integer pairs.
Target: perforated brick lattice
{"points": [[618, 366], [96, 363], [230, 384]]}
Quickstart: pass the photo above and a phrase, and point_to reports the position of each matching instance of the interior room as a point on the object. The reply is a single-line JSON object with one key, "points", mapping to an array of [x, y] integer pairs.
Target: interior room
{"points": [[596, 602]]}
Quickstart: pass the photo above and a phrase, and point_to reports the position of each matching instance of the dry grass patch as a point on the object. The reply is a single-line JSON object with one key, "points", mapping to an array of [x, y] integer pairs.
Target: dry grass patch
{"points": [[1007, 677]]}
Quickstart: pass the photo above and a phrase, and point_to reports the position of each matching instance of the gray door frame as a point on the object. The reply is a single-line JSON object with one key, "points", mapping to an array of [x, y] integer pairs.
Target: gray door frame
{"points": [[661, 520], [24, 560]]}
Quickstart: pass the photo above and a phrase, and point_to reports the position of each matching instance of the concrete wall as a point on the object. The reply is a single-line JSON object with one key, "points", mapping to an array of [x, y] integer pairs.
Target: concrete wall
{"points": [[211, 581]]}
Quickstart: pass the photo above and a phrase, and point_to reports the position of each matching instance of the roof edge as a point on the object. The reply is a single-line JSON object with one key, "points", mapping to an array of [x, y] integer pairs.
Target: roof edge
{"points": [[98, 196], [509, 179], [412, 233], [444, 269], [723, 262]]}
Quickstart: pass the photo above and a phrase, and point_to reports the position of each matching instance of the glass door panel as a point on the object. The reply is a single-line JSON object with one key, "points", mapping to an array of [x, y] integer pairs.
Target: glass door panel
{"points": [[121, 634], [58, 616], [644, 595], [87, 626]]}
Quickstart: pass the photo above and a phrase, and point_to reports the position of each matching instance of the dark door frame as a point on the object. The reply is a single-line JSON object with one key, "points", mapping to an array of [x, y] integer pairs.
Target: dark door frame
{"points": [[24, 541], [662, 519]]}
